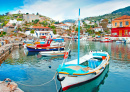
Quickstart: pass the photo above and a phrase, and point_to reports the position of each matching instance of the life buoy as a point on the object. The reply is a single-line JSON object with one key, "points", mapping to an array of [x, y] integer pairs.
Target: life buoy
{"points": [[65, 55], [60, 79]]}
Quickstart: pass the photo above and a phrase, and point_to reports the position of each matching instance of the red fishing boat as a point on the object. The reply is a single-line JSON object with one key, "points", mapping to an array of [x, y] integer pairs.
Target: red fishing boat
{"points": [[106, 40]]}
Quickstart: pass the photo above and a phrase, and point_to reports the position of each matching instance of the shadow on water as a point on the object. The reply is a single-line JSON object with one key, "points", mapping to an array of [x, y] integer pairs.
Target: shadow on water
{"points": [[92, 86]]}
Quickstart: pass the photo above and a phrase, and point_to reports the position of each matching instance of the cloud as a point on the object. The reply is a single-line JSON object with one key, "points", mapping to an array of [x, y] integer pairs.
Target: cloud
{"points": [[104, 8], [68, 9]]}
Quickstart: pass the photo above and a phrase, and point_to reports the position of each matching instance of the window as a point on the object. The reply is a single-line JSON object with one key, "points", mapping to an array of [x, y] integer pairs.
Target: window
{"points": [[129, 33], [115, 33], [120, 24], [125, 32], [115, 24], [126, 23]]}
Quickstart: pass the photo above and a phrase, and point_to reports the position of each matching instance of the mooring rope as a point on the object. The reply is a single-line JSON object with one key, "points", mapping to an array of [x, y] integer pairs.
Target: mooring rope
{"points": [[56, 84], [37, 85]]}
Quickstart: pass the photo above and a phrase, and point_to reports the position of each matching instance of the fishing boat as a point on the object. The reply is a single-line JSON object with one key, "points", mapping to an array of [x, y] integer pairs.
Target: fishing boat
{"points": [[48, 46], [53, 53], [84, 69], [128, 41], [120, 41], [106, 40]]}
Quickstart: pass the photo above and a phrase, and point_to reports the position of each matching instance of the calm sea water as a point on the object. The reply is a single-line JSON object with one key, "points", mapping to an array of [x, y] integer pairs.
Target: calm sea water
{"points": [[32, 69]]}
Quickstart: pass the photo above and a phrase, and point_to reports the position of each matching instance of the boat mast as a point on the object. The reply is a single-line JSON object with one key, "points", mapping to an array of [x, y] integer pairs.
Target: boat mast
{"points": [[79, 37]]}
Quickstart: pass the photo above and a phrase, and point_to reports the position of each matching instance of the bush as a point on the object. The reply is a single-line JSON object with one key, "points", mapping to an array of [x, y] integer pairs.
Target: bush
{"points": [[32, 31]]}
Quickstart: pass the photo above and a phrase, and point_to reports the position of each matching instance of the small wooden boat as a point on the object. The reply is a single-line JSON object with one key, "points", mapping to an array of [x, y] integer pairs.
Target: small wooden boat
{"points": [[106, 40], [81, 70], [90, 67], [53, 53]]}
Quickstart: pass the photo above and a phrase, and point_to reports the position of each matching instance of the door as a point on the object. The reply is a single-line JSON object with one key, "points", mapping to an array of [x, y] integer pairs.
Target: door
{"points": [[120, 33]]}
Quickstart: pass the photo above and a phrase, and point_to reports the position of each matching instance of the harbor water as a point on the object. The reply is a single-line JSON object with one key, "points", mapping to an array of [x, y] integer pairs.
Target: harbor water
{"points": [[34, 73]]}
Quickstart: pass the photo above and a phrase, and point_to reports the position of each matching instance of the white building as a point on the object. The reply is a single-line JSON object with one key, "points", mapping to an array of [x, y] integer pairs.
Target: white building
{"points": [[1, 29], [76, 23], [97, 29], [30, 17], [63, 26], [69, 23], [89, 22], [11, 22], [109, 25]]}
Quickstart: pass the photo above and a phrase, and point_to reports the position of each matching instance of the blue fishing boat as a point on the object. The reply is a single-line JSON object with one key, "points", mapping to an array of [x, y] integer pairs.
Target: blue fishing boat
{"points": [[83, 69], [38, 49]]}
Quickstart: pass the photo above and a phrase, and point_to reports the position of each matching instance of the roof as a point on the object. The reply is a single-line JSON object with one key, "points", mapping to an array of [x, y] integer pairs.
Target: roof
{"points": [[39, 27], [123, 17], [97, 27]]}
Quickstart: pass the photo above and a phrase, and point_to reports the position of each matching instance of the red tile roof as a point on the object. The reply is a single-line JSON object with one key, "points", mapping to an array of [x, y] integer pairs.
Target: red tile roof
{"points": [[39, 27], [123, 17]]}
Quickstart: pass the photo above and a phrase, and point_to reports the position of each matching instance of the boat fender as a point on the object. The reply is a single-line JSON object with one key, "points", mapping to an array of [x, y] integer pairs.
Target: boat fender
{"points": [[60, 79], [96, 72], [49, 66]]}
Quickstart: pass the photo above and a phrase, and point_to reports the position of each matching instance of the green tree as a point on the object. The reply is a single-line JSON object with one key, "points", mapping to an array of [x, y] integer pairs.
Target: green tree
{"points": [[104, 24], [32, 31], [36, 21], [54, 31], [14, 24]]}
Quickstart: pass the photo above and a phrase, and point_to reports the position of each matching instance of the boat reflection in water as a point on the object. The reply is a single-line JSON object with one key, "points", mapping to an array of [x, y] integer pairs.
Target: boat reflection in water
{"points": [[92, 86]]}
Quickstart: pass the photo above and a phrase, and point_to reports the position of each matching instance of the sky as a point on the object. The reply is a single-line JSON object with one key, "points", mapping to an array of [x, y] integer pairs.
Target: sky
{"points": [[63, 9]]}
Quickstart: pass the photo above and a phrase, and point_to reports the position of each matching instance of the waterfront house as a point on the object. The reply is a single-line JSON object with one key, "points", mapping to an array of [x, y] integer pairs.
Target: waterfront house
{"points": [[40, 31], [40, 28], [121, 27]]}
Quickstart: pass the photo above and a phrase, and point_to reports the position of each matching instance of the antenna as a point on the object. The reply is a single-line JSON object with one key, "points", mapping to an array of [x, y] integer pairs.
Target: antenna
{"points": [[79, 37]]}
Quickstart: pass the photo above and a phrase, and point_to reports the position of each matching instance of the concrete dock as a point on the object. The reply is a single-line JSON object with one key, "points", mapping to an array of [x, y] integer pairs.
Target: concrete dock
{"points": [[8, 86], [6, 49]]}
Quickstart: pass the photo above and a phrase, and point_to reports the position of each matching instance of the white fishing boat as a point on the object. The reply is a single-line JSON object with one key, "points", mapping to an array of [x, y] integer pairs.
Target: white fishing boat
{"points": [[128, 41], [54, 53], [84, 69], [120, 41]]}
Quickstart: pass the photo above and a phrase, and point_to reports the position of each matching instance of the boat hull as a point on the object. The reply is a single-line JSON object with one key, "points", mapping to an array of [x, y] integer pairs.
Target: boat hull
{"points": [[107, 41], [78, 80], [53, 53], [30, 49]]}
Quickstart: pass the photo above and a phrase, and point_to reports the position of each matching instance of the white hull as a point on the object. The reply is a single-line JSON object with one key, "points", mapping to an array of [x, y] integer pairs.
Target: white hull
{"points": [[77, 80], [74, 79], [53, 53]]}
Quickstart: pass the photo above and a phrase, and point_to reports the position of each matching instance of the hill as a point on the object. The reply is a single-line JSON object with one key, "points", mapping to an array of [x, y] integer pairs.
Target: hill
{"points": [[113, 15], [69, 20]]}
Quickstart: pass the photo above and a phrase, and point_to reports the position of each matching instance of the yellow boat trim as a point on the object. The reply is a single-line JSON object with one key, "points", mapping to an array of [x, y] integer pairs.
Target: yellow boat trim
{"points": [[88, 72], [63, 72]]}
